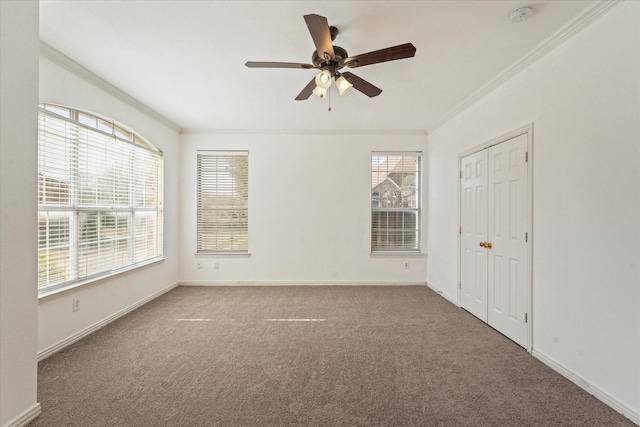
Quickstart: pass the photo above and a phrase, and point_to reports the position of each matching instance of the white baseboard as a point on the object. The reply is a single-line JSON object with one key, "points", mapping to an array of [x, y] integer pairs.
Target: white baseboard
{"points": [[297, 282], [597, 392], [26, 417], [43, 354], [451, 299]]}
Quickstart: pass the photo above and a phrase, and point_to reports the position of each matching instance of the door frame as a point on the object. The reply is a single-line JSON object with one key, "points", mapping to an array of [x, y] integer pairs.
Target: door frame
{"points": [[524, 130]]}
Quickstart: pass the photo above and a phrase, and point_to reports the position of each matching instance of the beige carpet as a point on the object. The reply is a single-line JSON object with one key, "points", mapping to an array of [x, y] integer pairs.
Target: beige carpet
{"points": [[306, 356]]}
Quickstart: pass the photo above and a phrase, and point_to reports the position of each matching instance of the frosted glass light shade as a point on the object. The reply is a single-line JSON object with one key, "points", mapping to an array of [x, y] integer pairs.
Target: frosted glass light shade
{"points": [[320, 92], [343, 85], [323, 79]]}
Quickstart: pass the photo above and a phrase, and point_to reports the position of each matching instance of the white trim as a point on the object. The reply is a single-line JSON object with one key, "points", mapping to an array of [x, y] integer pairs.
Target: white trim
{"points": [[592, 389], [395, 153], [580, 21], [499, 140], [419, 210], [26, 417], [48, 294], [224, 152], [299, 282], [444, 295], [531, 235], [43, 354], [421, 132], [383, 254], [59, 58], [212, 254]]}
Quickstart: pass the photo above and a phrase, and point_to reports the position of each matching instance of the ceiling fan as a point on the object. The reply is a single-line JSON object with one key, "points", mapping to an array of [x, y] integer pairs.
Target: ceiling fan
{"points": [[330, 59]]}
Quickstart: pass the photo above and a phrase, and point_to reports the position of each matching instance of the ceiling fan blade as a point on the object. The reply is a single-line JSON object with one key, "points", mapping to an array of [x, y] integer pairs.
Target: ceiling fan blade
{"points": [[307, 91], [402, 51], [254, 64], [321, 35], [362, 85]]}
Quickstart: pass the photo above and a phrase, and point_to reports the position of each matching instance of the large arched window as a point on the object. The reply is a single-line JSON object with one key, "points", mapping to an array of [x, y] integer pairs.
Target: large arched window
{"points": [[99, 198]]}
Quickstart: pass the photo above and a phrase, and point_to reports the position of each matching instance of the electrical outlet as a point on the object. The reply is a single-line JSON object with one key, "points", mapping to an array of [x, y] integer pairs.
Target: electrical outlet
{"points": [[406, 264], [216, 265], [199, 265], [75, 304]]}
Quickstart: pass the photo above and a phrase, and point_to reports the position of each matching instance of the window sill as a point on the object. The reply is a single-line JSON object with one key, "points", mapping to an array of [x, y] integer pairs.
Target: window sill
{"points": [[74, 287], [223, 254], [398, 254]]}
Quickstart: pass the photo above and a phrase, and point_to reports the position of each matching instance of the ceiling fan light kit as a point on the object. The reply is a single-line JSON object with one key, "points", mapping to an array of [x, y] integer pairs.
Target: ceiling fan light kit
{"points": [[323, 79], [320, 92], [329, 59], [343, 85]]}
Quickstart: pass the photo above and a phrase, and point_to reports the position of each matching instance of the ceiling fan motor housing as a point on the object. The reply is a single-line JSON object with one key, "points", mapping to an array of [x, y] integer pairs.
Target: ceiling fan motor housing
{"points": [[333, 64]]}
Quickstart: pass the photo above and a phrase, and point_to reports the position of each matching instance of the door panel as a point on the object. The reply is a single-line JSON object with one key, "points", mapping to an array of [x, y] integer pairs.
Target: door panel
{"points": [[508, 203], [495, 208], [473, 277]]}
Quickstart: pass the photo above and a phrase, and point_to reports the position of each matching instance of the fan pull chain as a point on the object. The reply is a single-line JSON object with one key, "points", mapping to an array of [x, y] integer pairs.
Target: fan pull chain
{"points": [[329, 94]]}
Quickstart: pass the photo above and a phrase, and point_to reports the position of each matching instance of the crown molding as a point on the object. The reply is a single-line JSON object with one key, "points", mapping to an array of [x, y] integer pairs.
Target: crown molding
{"points": [[58, 58], [366, 132], [589, 14]]}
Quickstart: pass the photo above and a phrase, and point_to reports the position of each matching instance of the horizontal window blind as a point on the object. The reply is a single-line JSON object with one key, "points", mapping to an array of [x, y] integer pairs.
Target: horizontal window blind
{"points": [[99, 197], [395, 202], [223, 199]]}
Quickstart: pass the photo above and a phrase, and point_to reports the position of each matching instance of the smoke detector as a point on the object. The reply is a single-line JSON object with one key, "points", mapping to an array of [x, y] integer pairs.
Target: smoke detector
{"points": [[521, 14]]}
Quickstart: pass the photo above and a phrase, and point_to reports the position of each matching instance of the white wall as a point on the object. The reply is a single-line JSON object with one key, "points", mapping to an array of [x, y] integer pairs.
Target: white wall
{"points": [[309, 209], [18, 197], [584, 101], [56, 321]]}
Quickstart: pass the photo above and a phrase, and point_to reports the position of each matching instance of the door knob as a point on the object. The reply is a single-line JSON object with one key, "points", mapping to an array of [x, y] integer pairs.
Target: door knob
{"points": [[482, 245], [487, 245]]}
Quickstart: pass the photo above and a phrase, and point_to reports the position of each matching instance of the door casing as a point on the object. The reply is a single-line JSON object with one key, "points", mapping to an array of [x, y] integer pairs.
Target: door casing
{"points": [[525, 130]]}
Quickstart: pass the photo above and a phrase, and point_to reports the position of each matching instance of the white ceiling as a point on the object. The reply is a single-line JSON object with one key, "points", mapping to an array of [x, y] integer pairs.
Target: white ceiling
{"points": [[185, 59]]}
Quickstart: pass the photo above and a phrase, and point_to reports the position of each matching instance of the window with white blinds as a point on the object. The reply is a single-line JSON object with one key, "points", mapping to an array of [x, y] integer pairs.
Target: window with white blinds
{"points": [[395, 202], [223, 201], [99, 197]]}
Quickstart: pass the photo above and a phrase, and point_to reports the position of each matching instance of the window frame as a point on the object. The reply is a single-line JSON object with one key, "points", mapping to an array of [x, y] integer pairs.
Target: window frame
{"points": [[240, 205], [416, 249], [127, 204]]}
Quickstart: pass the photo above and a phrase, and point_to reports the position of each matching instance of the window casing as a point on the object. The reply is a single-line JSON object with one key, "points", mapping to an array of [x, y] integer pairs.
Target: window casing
{"points": [[223, 202], [99, 198], [396, 205]]}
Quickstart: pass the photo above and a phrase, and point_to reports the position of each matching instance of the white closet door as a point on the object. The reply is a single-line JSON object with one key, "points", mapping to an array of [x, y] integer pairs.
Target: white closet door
{"points": [[473, 257], [508, 223]]}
